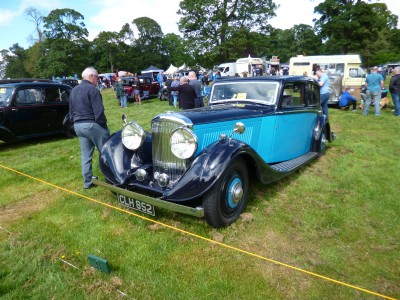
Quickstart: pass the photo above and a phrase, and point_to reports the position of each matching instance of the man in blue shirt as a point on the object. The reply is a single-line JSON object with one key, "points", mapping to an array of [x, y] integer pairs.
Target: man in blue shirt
{"points": [[160, 79], [346, 99], [374, 84], [323, 81]]}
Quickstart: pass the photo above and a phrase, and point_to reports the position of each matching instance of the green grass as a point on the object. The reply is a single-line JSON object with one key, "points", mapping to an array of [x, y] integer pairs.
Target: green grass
{"points": [[337, 217]]}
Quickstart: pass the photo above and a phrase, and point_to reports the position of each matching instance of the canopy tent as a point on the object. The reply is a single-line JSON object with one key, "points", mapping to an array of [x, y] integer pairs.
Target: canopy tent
{"points": [[171, 70], [151, 69], [183, 67]]}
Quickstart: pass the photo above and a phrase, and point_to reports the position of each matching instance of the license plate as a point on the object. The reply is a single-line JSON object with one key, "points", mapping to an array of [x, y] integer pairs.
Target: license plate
{"points": [[136, 204]]}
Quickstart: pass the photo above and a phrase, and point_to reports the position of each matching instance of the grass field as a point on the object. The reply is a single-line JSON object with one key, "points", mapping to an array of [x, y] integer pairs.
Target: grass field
{"points": [[337, 218]]}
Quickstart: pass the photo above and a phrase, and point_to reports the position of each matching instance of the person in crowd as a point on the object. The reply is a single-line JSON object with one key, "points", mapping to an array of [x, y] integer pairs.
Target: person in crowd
{"points": [[217, 76], [187, 94], [86, 111], [197, 88], [323, 81], [120, 93], [394, 89], [346, 99], [160, 80], [374, 83], [168, 82], [363, 95], [175, 94], [136, 90], [204, 80]]}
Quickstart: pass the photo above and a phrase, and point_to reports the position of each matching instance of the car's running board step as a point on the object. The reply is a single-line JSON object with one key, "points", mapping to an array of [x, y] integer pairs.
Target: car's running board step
{"points": [[290, 165]]}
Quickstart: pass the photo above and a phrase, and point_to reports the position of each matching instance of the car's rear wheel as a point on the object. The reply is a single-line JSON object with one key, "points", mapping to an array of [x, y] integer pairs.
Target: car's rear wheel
{"points": [[322, 142], [227, 199]]}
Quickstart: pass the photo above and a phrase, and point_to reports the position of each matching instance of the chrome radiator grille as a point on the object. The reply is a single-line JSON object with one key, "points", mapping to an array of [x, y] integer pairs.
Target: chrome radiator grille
{"points": [[163, 159]]}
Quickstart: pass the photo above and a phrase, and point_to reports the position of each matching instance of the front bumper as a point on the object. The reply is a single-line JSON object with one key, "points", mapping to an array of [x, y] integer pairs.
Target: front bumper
{"points": [[192, 211]]}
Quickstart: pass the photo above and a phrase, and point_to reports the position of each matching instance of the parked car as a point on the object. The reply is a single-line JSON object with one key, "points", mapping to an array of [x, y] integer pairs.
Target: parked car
{"points": [[147, 86], [33, 107], [71, 82], [200, 161]]}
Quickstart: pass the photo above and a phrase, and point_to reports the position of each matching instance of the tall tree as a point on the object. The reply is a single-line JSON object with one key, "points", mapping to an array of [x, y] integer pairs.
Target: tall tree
{"points": [[210, 24], [65, 24], [36, 18], [354, 26], [149, 43], [66, 48], [15, 58]]}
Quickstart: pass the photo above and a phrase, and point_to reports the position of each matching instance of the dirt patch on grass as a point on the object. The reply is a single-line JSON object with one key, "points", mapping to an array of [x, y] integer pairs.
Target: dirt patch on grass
{"points": [[24, 208]]}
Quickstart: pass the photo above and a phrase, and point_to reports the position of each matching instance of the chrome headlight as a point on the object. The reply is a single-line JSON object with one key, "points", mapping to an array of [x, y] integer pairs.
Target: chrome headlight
{"points": [[183, 143], [132, 136]]}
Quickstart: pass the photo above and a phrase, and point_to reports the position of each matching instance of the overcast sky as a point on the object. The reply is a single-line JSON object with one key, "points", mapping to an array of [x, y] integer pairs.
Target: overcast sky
{"points": [[111, 15]]}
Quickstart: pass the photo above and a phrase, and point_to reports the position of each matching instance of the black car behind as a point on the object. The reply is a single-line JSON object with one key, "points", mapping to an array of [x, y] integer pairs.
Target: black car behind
{"points": [[32, 107]]}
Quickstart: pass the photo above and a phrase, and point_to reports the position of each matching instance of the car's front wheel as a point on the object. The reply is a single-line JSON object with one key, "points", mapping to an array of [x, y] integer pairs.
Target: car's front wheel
{"points": [[227, 199]]}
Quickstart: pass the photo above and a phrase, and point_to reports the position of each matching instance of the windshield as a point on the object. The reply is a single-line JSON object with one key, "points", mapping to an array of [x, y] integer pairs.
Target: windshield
{"points": [[5, 93], [256, 91]]}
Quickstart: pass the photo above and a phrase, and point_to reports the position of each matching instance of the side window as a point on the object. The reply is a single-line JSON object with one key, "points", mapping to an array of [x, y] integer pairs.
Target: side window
{"points": [[52, 94], [293, 95], [29, 97], [312, 95], [64, 95]]}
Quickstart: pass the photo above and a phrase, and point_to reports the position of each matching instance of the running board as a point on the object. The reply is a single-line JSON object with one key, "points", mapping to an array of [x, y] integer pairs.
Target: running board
{"points": [[293, 164]]}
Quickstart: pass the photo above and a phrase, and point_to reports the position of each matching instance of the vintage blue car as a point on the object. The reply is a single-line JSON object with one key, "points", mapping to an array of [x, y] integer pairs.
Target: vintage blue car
{"points": [[200, 161]]}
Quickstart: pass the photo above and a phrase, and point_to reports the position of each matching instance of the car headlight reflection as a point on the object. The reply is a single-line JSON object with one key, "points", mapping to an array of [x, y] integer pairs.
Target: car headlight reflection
{"points": [[183, 143], [132, 136]]}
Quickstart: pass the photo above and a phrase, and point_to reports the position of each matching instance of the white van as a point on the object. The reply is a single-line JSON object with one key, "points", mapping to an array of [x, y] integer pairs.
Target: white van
{"points": [[227, 69], [348, 67]]}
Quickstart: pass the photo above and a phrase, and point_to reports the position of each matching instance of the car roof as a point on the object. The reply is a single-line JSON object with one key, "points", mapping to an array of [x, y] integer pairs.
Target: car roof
{"points": [[32, 84], [266, 78], [17, 80]]}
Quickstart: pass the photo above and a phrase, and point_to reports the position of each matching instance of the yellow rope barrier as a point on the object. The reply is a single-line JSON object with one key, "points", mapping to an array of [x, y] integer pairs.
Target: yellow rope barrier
{"points": [[201, 237]]}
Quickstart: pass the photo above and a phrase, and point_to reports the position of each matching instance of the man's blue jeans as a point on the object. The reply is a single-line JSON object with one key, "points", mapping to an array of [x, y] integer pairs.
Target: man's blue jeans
{"points": [[90, 135], [124, 99], [376, 97], [396, 102], [324, 103]]}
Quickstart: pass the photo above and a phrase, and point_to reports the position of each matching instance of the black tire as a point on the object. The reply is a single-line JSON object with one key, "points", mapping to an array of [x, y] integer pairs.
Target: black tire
{"points": [[322, 142], [224, 203]]}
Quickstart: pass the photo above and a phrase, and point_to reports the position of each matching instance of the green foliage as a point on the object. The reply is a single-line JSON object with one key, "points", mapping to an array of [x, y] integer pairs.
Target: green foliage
{"points": [[355, 27], [65, 24], [211, 23]]}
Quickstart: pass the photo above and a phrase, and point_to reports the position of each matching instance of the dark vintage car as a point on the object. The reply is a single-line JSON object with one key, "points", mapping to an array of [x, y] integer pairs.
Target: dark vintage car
{"points": [[71, 82], [147, 86], [32, 107], [200, 161]]}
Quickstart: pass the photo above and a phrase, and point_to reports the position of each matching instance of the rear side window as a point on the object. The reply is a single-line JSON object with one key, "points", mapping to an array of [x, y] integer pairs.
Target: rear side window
{"points": [[312, 94], [56, 94], [29, 97], [293, 94]]}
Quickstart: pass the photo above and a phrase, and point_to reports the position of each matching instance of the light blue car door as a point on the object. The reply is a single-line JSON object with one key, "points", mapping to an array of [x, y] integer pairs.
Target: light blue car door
{"points": [[294, 124]]}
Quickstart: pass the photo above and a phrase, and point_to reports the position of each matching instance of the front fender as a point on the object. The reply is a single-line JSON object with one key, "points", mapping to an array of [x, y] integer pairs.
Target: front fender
{"points": [[117, 163], [205, 170]]}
